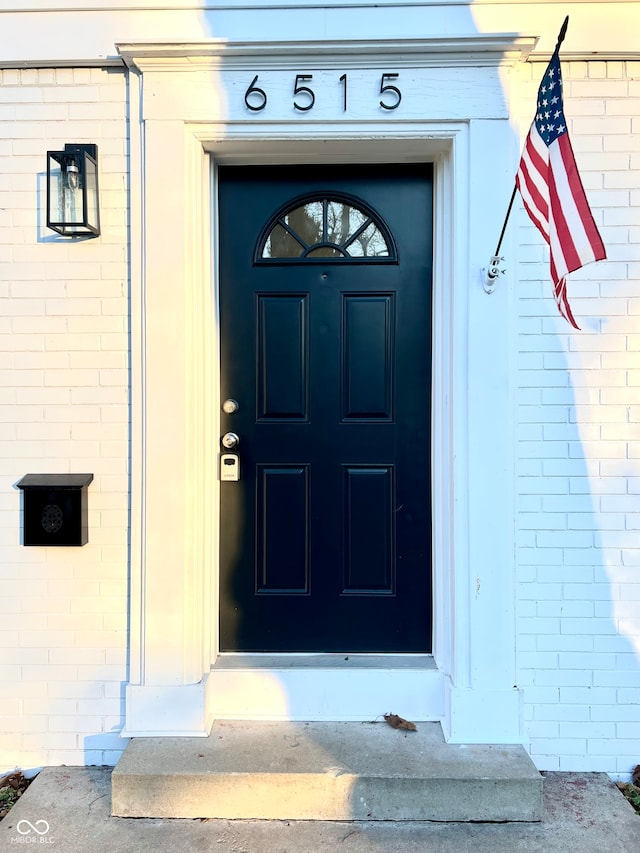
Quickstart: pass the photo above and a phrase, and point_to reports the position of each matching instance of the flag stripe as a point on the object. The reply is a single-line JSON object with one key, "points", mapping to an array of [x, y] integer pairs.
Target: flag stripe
{"points": [[533, 188], [570, 200], [535, 160], [593, 242], [564, 218]]}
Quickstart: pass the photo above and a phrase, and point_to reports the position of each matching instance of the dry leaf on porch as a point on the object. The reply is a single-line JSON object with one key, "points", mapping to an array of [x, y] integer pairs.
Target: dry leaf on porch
{"points": [[397, 722]]}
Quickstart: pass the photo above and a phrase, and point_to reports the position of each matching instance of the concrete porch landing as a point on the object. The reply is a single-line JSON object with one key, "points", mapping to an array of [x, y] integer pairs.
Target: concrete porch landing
{"points": [[325, 771]]}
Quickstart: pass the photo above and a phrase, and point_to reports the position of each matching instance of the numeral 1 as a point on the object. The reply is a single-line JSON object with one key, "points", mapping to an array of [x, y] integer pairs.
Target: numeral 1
{"points": [[343, 80]]}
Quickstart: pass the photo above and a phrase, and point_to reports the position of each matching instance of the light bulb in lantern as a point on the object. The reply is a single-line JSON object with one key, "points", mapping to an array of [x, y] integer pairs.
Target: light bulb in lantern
{"points": [[73, 175]]}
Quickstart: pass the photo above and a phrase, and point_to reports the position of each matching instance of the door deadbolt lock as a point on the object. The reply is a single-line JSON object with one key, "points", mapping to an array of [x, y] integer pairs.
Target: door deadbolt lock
{"points": [[229, 407], [230, 440]]}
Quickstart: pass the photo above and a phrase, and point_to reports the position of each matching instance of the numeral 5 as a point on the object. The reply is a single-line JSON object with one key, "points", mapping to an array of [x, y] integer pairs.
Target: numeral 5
{"points": [[297, 90], [388, 88]]}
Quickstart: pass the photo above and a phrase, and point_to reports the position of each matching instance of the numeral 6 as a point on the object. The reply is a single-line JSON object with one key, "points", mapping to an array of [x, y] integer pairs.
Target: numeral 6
{"points": [[257, 92]]}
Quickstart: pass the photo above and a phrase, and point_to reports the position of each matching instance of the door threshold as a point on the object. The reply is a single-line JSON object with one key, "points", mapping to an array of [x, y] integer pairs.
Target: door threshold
{"points": [[324, 687], [303, 660]]}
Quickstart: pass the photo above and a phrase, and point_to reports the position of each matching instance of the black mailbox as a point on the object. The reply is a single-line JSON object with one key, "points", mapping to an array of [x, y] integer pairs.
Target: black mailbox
{"points": [[55, 509]]}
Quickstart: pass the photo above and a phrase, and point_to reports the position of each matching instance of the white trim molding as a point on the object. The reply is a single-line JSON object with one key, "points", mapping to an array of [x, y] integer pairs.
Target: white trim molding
{"points": [[192, 116], [476, 50]]}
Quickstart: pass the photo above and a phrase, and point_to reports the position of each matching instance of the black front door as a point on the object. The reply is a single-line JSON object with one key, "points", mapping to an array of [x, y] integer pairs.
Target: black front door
{"points": [[325, 318]]}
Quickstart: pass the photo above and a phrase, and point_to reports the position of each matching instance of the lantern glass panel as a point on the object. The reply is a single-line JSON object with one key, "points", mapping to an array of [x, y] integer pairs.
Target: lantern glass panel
{"points": [[91, 193], [55, 194], [74, 214]]}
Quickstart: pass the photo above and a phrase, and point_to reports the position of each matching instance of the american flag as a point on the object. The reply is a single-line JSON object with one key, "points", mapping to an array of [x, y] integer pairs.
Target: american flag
{"points": [[552, 191]]}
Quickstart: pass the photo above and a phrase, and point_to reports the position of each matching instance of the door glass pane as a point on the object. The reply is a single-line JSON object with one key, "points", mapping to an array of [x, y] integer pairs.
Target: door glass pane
{"points": [[325, 252], [342, 221], [306, 222], [326, 228], [281, 244], [369, 244]]}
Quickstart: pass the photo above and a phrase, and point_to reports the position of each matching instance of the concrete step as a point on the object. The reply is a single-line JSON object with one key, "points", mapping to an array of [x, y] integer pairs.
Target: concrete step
{"points": [[325, 771]]}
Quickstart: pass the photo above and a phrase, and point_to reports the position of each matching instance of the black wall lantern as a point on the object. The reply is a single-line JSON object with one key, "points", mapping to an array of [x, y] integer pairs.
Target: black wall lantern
{"points": [[72, 191]]}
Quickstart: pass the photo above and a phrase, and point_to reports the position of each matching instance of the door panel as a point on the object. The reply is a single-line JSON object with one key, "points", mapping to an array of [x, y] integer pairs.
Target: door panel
{"points": [[283, 357], [282, 513], [368, 526], [367, 356], [325, 541]]}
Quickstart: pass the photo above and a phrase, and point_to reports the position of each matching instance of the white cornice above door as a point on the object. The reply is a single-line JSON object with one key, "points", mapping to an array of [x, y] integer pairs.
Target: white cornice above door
{"points": [[457, 51]]}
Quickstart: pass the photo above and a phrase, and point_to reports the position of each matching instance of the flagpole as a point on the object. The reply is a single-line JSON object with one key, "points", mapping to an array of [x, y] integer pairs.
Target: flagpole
{"points": [[493, 272], [506, 219], [562, 34]]}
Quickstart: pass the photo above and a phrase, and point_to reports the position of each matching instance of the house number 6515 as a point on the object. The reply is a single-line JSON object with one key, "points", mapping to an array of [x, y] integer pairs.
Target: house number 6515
{"points": [[304, 97]]}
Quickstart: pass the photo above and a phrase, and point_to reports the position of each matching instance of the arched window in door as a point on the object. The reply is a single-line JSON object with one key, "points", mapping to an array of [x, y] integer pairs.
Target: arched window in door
{"points": [[328, 227]]}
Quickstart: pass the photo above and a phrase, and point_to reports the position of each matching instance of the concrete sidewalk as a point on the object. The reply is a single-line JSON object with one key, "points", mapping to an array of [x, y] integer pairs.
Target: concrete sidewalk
{"points": [[68, 808]]}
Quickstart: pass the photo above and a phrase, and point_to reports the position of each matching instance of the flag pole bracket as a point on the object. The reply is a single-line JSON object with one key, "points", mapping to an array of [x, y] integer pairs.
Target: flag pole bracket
{"points": [[492, 273]]}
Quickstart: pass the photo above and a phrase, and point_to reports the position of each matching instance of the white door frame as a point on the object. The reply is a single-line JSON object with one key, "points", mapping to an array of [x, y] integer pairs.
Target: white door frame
{"points": [[189, 121]]}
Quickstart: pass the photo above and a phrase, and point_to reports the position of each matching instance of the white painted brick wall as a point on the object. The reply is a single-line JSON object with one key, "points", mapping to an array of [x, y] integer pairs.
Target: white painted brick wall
{"points": [[579, 449], [63, 408]]}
